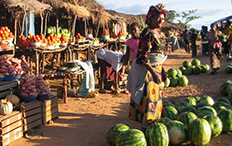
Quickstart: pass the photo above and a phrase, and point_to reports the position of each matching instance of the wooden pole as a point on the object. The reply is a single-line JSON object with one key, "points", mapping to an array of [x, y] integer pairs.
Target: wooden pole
{"points": [[45, 23], [23, 22], [41, 24], [57, 22], [74, 26], [15, 30], [98, 26]]}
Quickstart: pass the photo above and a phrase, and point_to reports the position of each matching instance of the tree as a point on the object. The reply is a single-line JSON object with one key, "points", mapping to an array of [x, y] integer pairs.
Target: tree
{"points": [[182, 19]]}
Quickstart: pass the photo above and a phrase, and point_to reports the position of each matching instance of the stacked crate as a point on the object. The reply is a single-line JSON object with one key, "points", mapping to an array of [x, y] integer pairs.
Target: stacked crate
{"points": [[31, 113], [11, 127], [49, 109], [7, 86]]}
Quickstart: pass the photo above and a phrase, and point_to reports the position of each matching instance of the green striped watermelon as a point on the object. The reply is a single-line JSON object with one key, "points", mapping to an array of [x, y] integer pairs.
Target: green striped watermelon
{"points": [[170, 112], [220, 105], [223, 87], [189, 108], [157, 135], [172, 72], [173, 81], [187, 63], [183, 80], [191, 101], [167, 103], [215, 124], [131, 137], [167, 82], [226, 117], [177, 132], [207, 99], [199, 132], [205, 111], [186, 118], [199, 105], [223, 99], [180, 105], [114, 131], [196, 62], [163, 120]]}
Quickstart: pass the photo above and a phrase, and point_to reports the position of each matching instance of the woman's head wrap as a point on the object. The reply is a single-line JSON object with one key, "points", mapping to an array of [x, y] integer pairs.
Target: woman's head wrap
{"points": [[155, 10]]}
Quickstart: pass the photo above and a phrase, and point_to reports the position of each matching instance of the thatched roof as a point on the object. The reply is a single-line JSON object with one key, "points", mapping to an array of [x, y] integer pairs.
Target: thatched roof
{"points": [[56, 4], [76, 9], [25, 5]]}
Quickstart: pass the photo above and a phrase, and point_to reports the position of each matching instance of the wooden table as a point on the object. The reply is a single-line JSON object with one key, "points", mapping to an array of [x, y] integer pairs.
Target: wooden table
{"points": [[42, 52]]}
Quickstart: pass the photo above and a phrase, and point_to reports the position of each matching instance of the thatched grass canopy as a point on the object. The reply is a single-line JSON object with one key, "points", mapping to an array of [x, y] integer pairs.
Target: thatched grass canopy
{"points": [[19, 6], [76, 9]]}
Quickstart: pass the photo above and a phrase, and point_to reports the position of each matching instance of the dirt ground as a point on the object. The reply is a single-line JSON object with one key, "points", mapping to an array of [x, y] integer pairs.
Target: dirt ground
{"points": [[85, 121]]}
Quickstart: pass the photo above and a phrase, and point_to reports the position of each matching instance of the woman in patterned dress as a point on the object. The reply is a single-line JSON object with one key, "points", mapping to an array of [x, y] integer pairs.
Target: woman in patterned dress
{"points": [[215, 48], [147, 73]]}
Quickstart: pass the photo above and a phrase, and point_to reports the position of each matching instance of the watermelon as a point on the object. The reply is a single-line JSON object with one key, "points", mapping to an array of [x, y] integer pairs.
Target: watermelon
{"points": [[223, 87], [215, 124], [173, 81], [188, 71], [187, 64], [167, 82], [223, 99], [199, 132], [196, 62], [170, 112], [163, 120], [177, 132], [131, 137], [228, 69], [199, 105], [183, 81], [114, 131], [229, 91], [179, 72], [172, 72], [157, 135], [207, 99], [203, 69], [191, 101], [207, 67], [189, 108], [167, 103], [219, 105], [180, 105], [196, 70], [226, 117], [206, 110], [182, 68], [186, 118]]}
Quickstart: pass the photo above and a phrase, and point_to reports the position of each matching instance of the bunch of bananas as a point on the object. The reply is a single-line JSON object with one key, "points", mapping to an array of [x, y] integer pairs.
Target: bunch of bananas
{"points": [[95, 39]]}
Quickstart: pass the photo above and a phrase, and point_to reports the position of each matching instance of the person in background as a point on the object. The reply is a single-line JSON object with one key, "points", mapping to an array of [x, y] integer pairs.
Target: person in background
{"points": [[225, 46], [193, 43], [132, 43], [174, 40], [228, 32], [204, 41], [147, 72], [186, 39], [107, 58], [215, 48]]}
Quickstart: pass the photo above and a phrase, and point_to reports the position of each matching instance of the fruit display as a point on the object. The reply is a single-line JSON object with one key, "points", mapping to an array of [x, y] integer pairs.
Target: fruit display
{"points": [[22, 42], [175, 78], [105, 34], [122, 35], [25, 66], [27, 86], [6, 36], [95, 41], [228, 69], [195, 67], [52, 30], [63, 41], [16, 63], [79, 37], [41, 87], [226, 89], [6, 67], [94, 94]]}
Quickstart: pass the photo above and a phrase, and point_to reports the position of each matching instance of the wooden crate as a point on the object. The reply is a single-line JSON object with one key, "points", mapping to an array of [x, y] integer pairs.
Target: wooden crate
{"points": [[49, 109], [5, 87], [31, 113], [11, 127]]}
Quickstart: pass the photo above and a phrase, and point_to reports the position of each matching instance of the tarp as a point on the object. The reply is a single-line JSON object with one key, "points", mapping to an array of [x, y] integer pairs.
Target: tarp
{"points": [[32, 24]]}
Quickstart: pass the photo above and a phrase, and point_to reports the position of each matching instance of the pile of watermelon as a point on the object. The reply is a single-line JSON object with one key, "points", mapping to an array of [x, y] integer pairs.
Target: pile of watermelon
{"points": [[226, 89], [194, 119], [175, 78], [194, 68], [228, 69]]}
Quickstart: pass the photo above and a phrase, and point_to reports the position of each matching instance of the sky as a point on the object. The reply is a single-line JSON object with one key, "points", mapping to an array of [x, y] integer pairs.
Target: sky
{"points": [[208, 10]]}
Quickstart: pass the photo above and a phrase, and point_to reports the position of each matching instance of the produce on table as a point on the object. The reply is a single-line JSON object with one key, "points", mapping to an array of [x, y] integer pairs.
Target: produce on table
{"points": [[27, 86], [6, 107], [41, 87], [22, 42], [25, 66], [6, 67], [157, 135], [17, 65], [13, 99]]}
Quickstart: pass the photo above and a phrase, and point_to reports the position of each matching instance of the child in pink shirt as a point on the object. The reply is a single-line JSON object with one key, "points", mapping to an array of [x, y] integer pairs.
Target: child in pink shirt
{"points": [[132, 43]]}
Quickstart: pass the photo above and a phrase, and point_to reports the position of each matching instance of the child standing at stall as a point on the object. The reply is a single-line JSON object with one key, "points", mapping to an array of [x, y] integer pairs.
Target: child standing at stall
{"points": [[132, 43]]}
